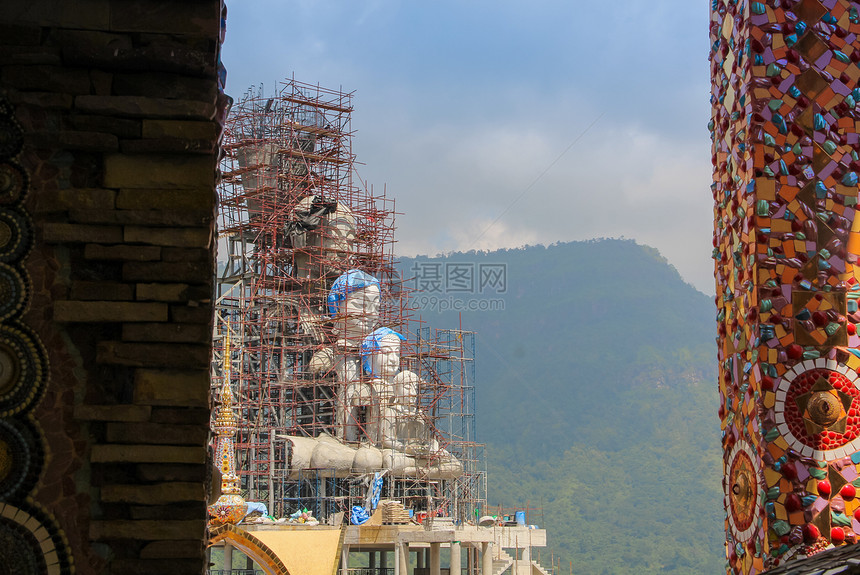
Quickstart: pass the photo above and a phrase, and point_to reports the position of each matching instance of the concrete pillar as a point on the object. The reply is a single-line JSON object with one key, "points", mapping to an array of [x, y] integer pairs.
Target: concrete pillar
{"points": [[454, 566], [371, 559], [344, 559], [397, 560], [228, 557], [419, 558], [403, 558], [486, 559], [383, 559], [435, 567]]}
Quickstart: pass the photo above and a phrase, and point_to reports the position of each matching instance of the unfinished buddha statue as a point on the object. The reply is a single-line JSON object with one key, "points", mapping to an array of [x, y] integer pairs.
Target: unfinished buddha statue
{"points": [[353, 303], [322, 234], [408, 446]]}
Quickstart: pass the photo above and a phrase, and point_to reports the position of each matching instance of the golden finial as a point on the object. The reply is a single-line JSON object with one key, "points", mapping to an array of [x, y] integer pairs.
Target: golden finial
{"points": [[230, 507]]}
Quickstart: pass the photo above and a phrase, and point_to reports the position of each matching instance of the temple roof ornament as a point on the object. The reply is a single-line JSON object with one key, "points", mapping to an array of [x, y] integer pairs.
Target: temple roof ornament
{"points": [[230, 506]]}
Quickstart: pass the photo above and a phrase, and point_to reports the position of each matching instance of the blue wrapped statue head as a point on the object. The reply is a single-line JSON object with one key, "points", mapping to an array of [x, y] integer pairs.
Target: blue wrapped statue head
{"points": [[353, 303], [380, 352]]}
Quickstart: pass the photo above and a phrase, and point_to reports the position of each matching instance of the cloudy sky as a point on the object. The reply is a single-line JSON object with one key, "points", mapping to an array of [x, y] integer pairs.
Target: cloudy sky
{"points": [[502, 123]]}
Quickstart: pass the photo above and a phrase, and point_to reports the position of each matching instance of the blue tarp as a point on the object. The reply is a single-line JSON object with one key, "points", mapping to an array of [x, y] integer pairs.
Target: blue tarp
{"points": [[345, 284], [376, 490], [359, 515], [371, 344]]}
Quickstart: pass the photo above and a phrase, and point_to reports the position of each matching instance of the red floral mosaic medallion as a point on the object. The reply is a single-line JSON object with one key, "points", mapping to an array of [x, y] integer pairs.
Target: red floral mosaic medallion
{"points": [[742, 490], [817, 409]]}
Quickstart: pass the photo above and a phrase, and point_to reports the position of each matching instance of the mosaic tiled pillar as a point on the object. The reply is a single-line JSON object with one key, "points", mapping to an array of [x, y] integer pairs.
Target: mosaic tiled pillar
{"points": [[31, 542], [785, 156]]}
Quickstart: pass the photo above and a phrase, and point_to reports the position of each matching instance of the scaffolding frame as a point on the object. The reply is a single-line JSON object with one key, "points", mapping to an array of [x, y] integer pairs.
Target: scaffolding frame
{"points": [[291, 220]]}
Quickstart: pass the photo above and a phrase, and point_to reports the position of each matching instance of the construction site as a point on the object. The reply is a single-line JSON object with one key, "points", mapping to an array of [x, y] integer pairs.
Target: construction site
{"points": [[351, 415]]}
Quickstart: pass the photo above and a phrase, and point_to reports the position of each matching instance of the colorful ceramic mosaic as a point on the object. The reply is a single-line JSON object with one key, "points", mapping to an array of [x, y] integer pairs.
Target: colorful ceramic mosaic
{"points": [[30, 540]]}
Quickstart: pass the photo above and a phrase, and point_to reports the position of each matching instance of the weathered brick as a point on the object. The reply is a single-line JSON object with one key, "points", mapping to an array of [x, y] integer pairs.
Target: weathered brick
{"points": [[178, 129], [136, 106], [179, 237], [18, 35], [171, 387], [86, 141], [177, 511], [84, 14], [73, 198], [111, 453], [156, 171], [189, 219], [101, 82], [148, 53], [186, 18], [106, 291], [163, 292], [172, 472], [167, 145], [120, 127], [177, 355], [186, 255], [29, 56], [108, 311], [122, 252], [78, 233], [158, 494], [188, 199], [166, 332], [179, 272], [161, 53], [91, 48], [148, 531], [182, 415], [44, 100], [173, 549], [45, 78], [157, 433], [191, 314], [121, 412], [164, 85]]}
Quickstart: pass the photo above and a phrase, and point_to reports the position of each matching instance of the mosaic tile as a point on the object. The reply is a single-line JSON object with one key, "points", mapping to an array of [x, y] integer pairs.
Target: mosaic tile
{"points": [[30, 539], [786, 158]]}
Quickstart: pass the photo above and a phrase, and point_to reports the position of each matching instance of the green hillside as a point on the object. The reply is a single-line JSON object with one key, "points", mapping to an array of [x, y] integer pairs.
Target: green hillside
{"points": [[597, 400]]}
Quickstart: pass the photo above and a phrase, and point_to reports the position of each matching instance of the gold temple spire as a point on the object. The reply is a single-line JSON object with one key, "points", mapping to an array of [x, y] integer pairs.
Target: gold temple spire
{"points": [[230, 507]]}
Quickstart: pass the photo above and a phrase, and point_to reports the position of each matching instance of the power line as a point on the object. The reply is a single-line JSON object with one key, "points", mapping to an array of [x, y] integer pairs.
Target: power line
{"points": [[536, 180]]}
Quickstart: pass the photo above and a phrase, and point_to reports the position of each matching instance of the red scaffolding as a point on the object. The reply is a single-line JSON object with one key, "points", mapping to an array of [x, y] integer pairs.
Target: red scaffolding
{"points": [[292, 220]]}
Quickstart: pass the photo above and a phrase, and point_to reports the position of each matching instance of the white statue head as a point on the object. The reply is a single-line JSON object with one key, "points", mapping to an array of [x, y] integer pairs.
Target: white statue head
{"points": [[353, 302], [331, 241], [338, 236], [380, 353]]}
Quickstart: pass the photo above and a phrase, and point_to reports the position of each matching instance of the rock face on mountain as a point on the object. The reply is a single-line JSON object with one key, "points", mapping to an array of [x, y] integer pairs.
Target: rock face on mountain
{"points": [[596, 397]]}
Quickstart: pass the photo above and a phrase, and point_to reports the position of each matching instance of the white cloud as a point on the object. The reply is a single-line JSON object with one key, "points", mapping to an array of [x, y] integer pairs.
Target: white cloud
{"points": [[467, 129], [475, 234], [615, 182]]}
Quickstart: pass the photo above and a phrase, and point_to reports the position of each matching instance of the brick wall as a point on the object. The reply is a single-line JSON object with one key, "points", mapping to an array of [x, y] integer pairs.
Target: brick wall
{"points": [[117, 104]]}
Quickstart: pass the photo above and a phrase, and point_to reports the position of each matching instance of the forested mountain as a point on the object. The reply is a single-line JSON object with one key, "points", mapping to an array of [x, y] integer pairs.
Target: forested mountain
{"points": [[596, 397]]}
